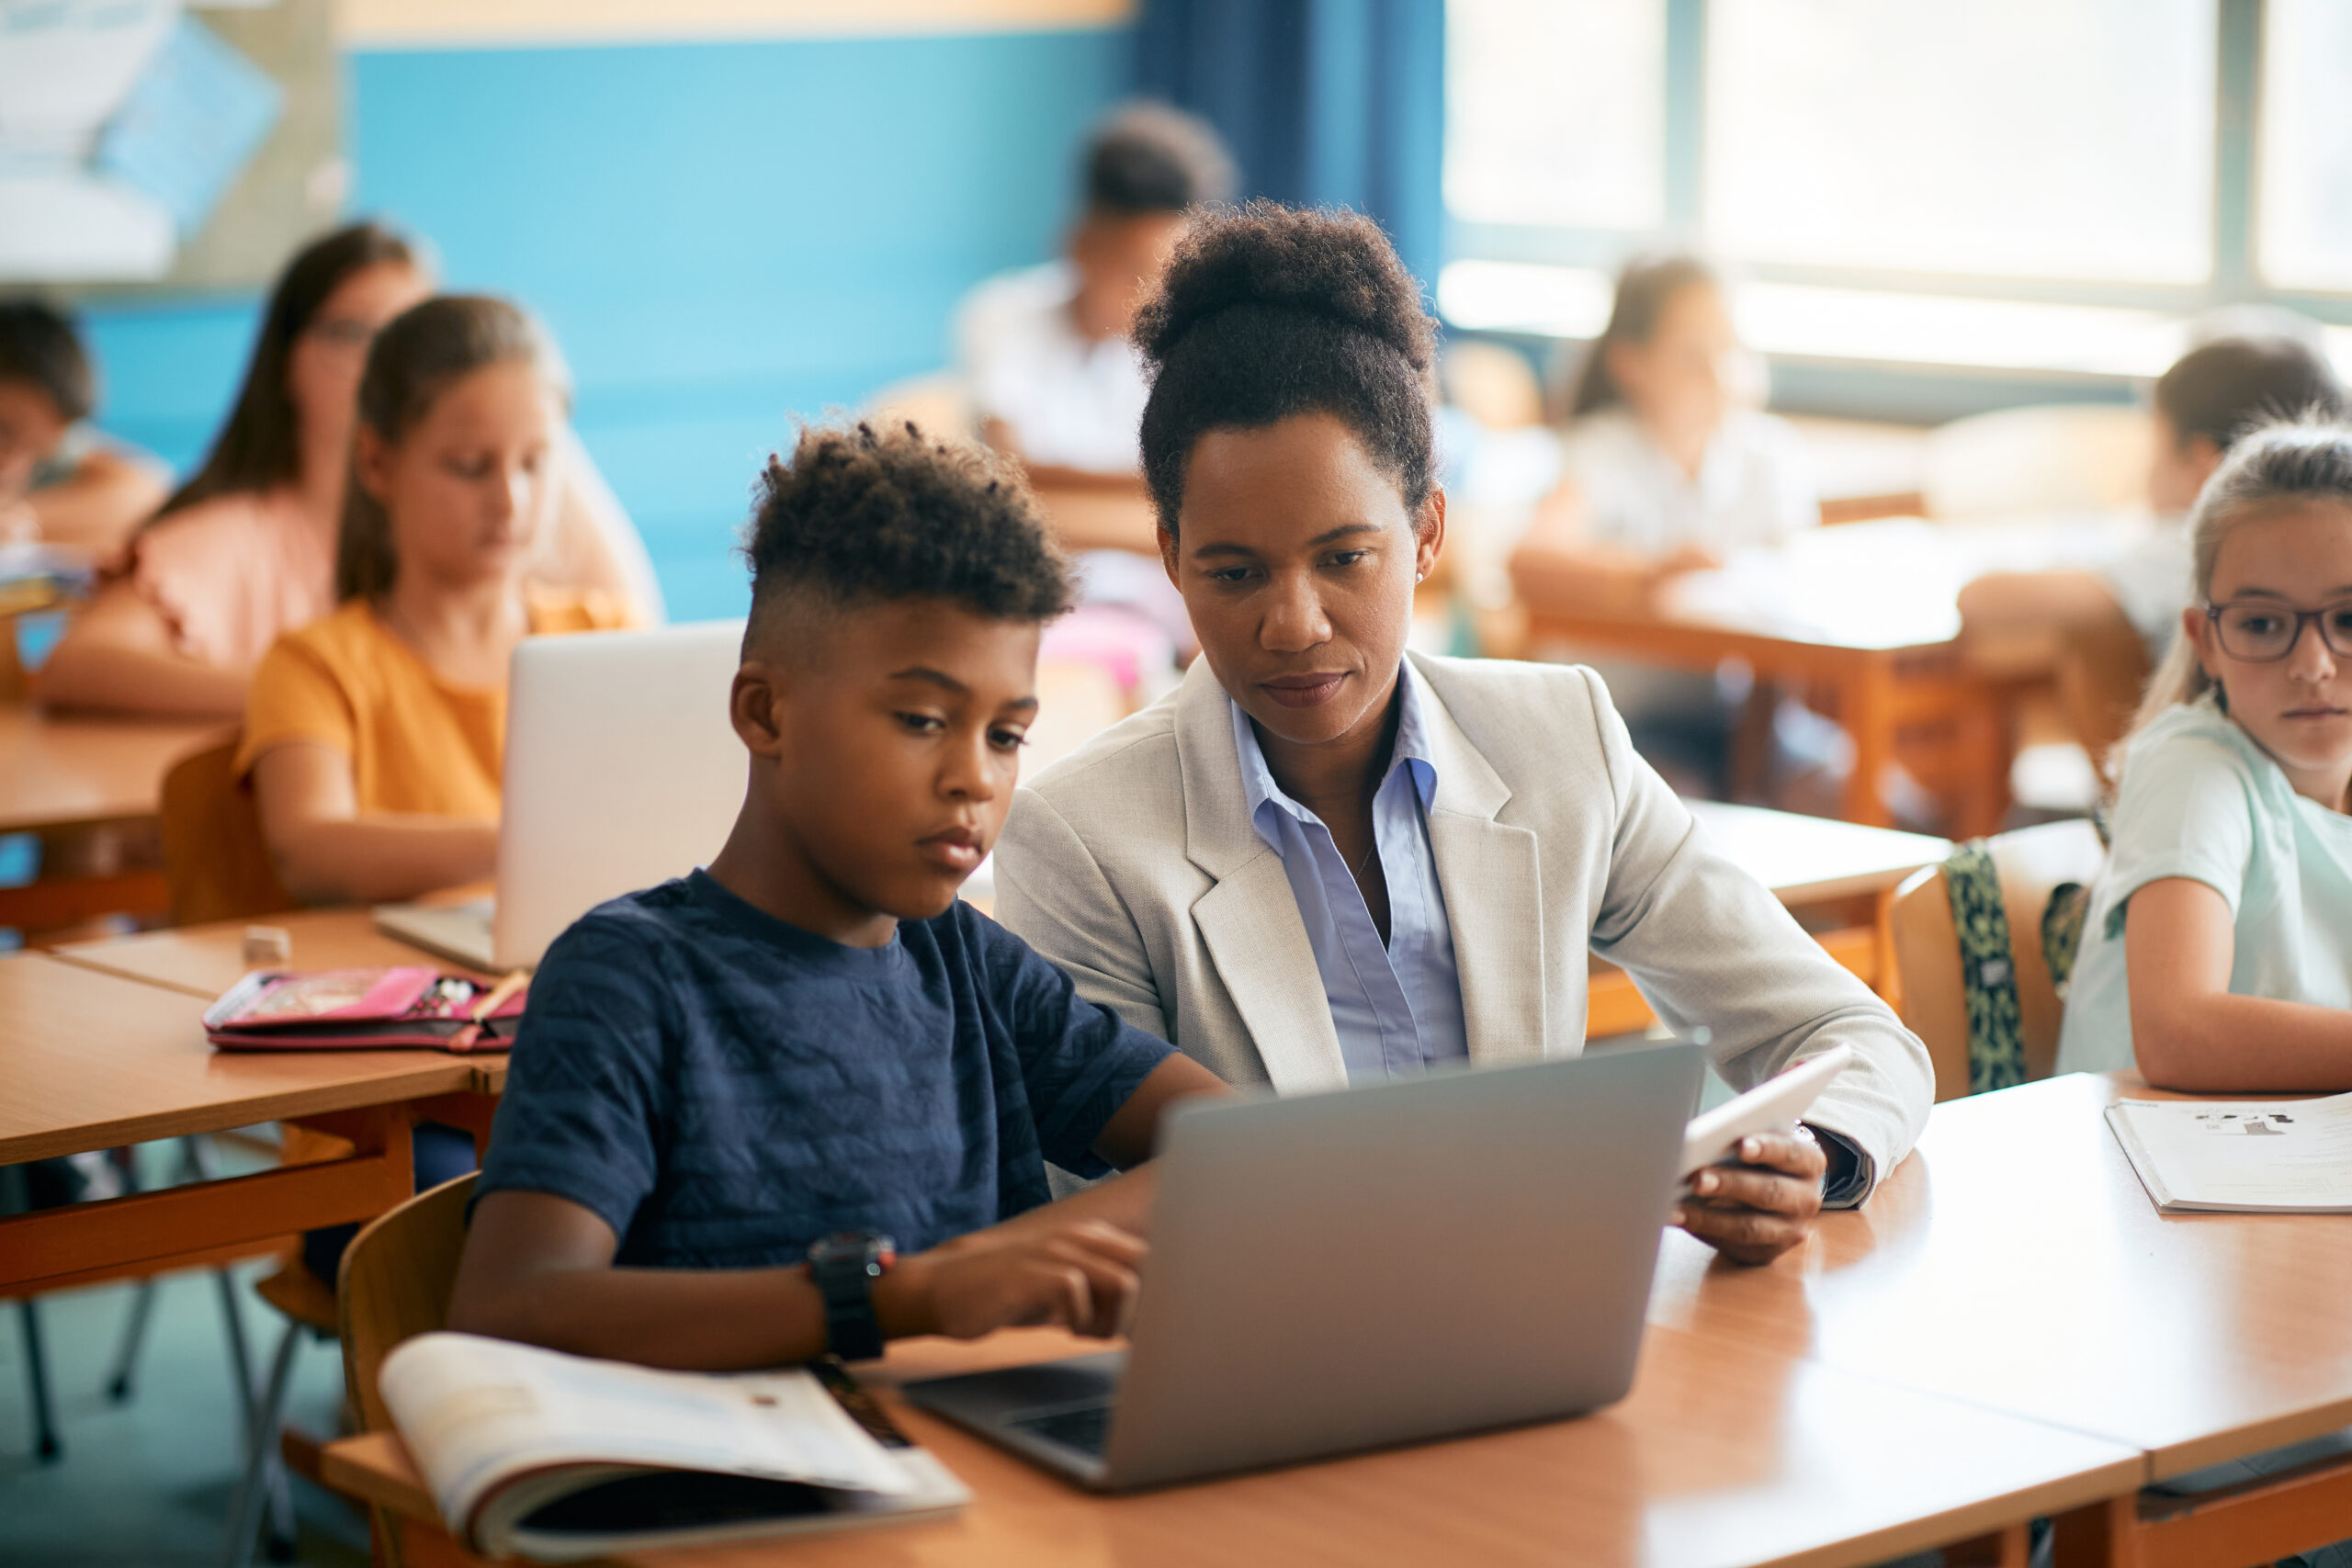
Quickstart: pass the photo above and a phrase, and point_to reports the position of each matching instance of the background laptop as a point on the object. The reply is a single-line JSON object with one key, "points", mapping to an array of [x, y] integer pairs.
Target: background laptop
{"points": [[622, 770], [1378, 1266]]}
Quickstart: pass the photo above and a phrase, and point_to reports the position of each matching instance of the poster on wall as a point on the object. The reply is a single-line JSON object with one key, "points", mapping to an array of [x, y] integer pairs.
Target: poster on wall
{"points": [[164, 144]]}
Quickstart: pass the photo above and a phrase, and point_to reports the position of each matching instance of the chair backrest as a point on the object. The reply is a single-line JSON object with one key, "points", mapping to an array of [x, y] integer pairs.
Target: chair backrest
{"points": [[2030, 863], [216, 863], [395, 1284]]}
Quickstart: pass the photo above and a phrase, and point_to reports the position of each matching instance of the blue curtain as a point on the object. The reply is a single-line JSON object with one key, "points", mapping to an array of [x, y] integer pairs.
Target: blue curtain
{"points": [[1323, 101]]}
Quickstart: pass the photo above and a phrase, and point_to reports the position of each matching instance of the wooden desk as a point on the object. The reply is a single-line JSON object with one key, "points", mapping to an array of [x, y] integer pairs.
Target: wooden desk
{"points": [[92, 1060], [1721, 1456], [2016, 1262], [1812, 863], [204, 961], [68, 778], [1867, 614]]}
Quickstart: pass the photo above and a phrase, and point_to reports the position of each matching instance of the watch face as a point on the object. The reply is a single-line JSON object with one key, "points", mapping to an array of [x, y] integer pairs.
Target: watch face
{"points": [[852, 1246]]}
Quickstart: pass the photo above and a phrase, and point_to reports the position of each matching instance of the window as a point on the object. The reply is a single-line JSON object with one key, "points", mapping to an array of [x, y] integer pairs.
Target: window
{"points": [[1555, 112], [2050, 139], [2305, 209]]}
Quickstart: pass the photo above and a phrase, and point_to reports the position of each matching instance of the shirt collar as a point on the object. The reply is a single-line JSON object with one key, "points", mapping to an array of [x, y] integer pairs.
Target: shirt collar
{"points": [[1412, 752]]}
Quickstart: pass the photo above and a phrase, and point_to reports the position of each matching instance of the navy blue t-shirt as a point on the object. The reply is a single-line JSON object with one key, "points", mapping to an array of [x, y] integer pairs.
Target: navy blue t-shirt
{"points": [[723, 1088]]}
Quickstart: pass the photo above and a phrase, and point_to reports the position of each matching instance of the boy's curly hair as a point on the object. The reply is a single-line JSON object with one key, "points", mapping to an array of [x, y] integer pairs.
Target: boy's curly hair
{"points": [[864, 515], [1268, 311]]}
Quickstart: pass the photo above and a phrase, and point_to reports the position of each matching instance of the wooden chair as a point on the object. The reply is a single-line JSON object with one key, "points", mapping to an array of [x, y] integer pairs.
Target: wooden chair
{"points": [[396, 1279], [2031, 864], [216, 865]]}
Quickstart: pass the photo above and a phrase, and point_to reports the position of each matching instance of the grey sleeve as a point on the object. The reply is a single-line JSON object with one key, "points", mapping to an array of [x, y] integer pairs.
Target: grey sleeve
{"points": [[1722, 960]]}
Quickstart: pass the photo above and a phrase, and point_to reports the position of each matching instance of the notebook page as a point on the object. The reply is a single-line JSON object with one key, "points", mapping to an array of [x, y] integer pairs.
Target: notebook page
{"points": [[2283, 1154]]}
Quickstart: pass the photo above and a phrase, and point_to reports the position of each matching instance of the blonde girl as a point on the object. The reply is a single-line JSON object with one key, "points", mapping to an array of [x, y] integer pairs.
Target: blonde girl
{"points": [[374, 736], [2232, 849]]}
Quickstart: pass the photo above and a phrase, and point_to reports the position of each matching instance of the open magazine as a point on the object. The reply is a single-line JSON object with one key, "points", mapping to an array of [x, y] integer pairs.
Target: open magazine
{"points": [[534, 1453], [2290, 1157]]}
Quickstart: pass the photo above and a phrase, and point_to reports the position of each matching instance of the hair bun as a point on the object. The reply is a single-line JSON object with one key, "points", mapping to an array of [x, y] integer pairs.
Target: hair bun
{"points": [[1327, 262]]}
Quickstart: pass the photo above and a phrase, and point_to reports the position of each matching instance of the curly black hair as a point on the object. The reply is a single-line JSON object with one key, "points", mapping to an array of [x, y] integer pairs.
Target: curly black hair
{"points": [[862, 516], [1267, 311]]}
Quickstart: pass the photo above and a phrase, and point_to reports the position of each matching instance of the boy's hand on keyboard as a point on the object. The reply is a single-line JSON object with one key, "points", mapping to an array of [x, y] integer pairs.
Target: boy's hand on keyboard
{"points": [[1079, 1276], [1755, 1211]]}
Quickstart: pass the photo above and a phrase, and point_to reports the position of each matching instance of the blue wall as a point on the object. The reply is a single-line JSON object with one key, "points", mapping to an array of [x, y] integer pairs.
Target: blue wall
{"points": [[721, 236]]}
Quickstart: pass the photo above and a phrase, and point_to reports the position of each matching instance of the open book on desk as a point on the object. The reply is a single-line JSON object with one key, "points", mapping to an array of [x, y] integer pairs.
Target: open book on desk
{"points": [[534, 1453], [2288, 1156]]}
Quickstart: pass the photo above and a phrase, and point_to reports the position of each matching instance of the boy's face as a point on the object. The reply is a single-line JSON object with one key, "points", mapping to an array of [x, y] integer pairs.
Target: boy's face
{"points": [[30, 428], [2178, 467], [886, 745]]}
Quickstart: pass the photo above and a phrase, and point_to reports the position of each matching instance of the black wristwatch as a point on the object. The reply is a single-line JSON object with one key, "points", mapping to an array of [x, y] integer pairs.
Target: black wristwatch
{"points": [[844, 1267]]}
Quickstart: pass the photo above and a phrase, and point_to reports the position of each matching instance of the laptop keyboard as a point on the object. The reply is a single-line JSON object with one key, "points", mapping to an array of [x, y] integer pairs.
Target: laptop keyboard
{"points": [[1086, 1429]]}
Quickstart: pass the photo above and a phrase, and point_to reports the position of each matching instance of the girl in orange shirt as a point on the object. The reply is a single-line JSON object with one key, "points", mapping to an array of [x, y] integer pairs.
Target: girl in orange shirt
{"points": [[374, 737]]}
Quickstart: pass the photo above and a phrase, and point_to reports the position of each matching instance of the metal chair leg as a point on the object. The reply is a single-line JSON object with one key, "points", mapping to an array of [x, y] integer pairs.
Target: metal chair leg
{"points": [[246, 1504], [241, 1363], [134, 1338], [45, 1444]]}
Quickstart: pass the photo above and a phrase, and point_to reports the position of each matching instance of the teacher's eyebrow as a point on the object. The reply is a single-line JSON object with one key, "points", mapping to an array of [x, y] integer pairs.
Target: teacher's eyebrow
{"points": [[1330, 536]]}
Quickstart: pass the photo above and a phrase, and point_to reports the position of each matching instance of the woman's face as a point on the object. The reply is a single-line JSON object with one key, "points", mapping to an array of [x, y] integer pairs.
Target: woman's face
{"points": [[472, 483], [322, 371], [1684, 378], [1296, 556], [2288, 558]]}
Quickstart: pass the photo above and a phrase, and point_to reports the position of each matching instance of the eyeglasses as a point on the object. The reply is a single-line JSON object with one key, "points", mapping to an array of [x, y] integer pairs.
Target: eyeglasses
{"points": [[2260, 633]]}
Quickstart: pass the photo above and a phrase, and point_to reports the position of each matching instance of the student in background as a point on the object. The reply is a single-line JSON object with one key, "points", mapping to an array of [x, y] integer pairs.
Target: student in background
{"points": [[2116, 625], [374, 736], [803, 1100], [1667, 466], [1054, 380], [60, 481], [2233, 845], [244, 551]]}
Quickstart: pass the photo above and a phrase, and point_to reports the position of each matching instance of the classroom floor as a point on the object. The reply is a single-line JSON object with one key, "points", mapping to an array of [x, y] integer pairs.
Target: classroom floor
{"points": [[147, 1482]]}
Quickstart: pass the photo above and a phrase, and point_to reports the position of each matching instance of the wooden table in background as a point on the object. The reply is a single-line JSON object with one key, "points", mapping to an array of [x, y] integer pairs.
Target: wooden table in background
{"points": [[80, 783], [1867, 614], [2016, 1262], [1830, 873], [93, 1060], [1722, 1456]]}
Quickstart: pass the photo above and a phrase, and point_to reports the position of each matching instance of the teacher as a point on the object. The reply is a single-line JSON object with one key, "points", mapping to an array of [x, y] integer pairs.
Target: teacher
{"points": [[1324, 860]]}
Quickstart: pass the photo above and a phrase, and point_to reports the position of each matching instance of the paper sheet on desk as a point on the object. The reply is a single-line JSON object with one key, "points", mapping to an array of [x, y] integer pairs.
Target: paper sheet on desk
{"points": [[2290, 1157]]}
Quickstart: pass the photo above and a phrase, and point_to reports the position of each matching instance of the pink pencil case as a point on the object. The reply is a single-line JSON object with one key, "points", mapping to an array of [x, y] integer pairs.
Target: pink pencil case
{"points": [[334, 1009]]}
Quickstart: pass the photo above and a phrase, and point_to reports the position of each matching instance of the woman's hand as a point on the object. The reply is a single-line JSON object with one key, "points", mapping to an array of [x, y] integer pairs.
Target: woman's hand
{"points": [[1755, 1211]]}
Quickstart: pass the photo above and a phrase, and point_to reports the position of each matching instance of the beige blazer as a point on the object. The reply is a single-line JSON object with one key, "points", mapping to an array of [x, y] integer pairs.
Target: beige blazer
{"points": [[1133, 864]]}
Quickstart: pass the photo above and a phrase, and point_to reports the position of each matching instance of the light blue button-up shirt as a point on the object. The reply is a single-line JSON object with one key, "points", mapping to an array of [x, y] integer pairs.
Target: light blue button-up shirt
{"points": [[1397, 1008]]}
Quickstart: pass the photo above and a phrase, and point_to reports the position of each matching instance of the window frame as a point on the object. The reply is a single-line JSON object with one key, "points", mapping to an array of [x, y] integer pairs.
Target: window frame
{"points": [[2235, 278]]}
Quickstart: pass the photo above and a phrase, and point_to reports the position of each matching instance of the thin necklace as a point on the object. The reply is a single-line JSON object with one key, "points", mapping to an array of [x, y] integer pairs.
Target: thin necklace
{"points": [[1356, 871]]}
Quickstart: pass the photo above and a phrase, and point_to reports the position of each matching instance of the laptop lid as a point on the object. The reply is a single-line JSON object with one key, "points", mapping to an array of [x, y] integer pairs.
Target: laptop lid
{"points": [[1393, 1263], [622, 770]]}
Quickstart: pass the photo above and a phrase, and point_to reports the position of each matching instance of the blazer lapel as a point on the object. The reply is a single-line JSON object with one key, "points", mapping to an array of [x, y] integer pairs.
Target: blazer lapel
{"points": [[1494, 893], [1248, 920]]}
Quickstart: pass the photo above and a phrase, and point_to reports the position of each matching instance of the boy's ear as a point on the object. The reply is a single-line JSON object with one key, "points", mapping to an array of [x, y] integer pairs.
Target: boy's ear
{"points": [[755, 705], [1168, 556]]}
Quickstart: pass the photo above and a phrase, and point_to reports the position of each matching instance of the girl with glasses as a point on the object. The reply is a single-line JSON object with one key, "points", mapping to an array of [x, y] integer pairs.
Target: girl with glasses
{"points": [[2233, 845]]}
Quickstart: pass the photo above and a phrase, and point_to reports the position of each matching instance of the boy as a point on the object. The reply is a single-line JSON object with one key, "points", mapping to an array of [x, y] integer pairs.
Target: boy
{"points": [[60, 482], [2114, 624], [804, 1100], [1053, 378]]}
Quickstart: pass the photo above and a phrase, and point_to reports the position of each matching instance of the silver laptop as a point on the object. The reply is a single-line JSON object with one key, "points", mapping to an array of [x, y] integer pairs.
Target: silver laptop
{"points": [[1380, 1265], [622, 770]]}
